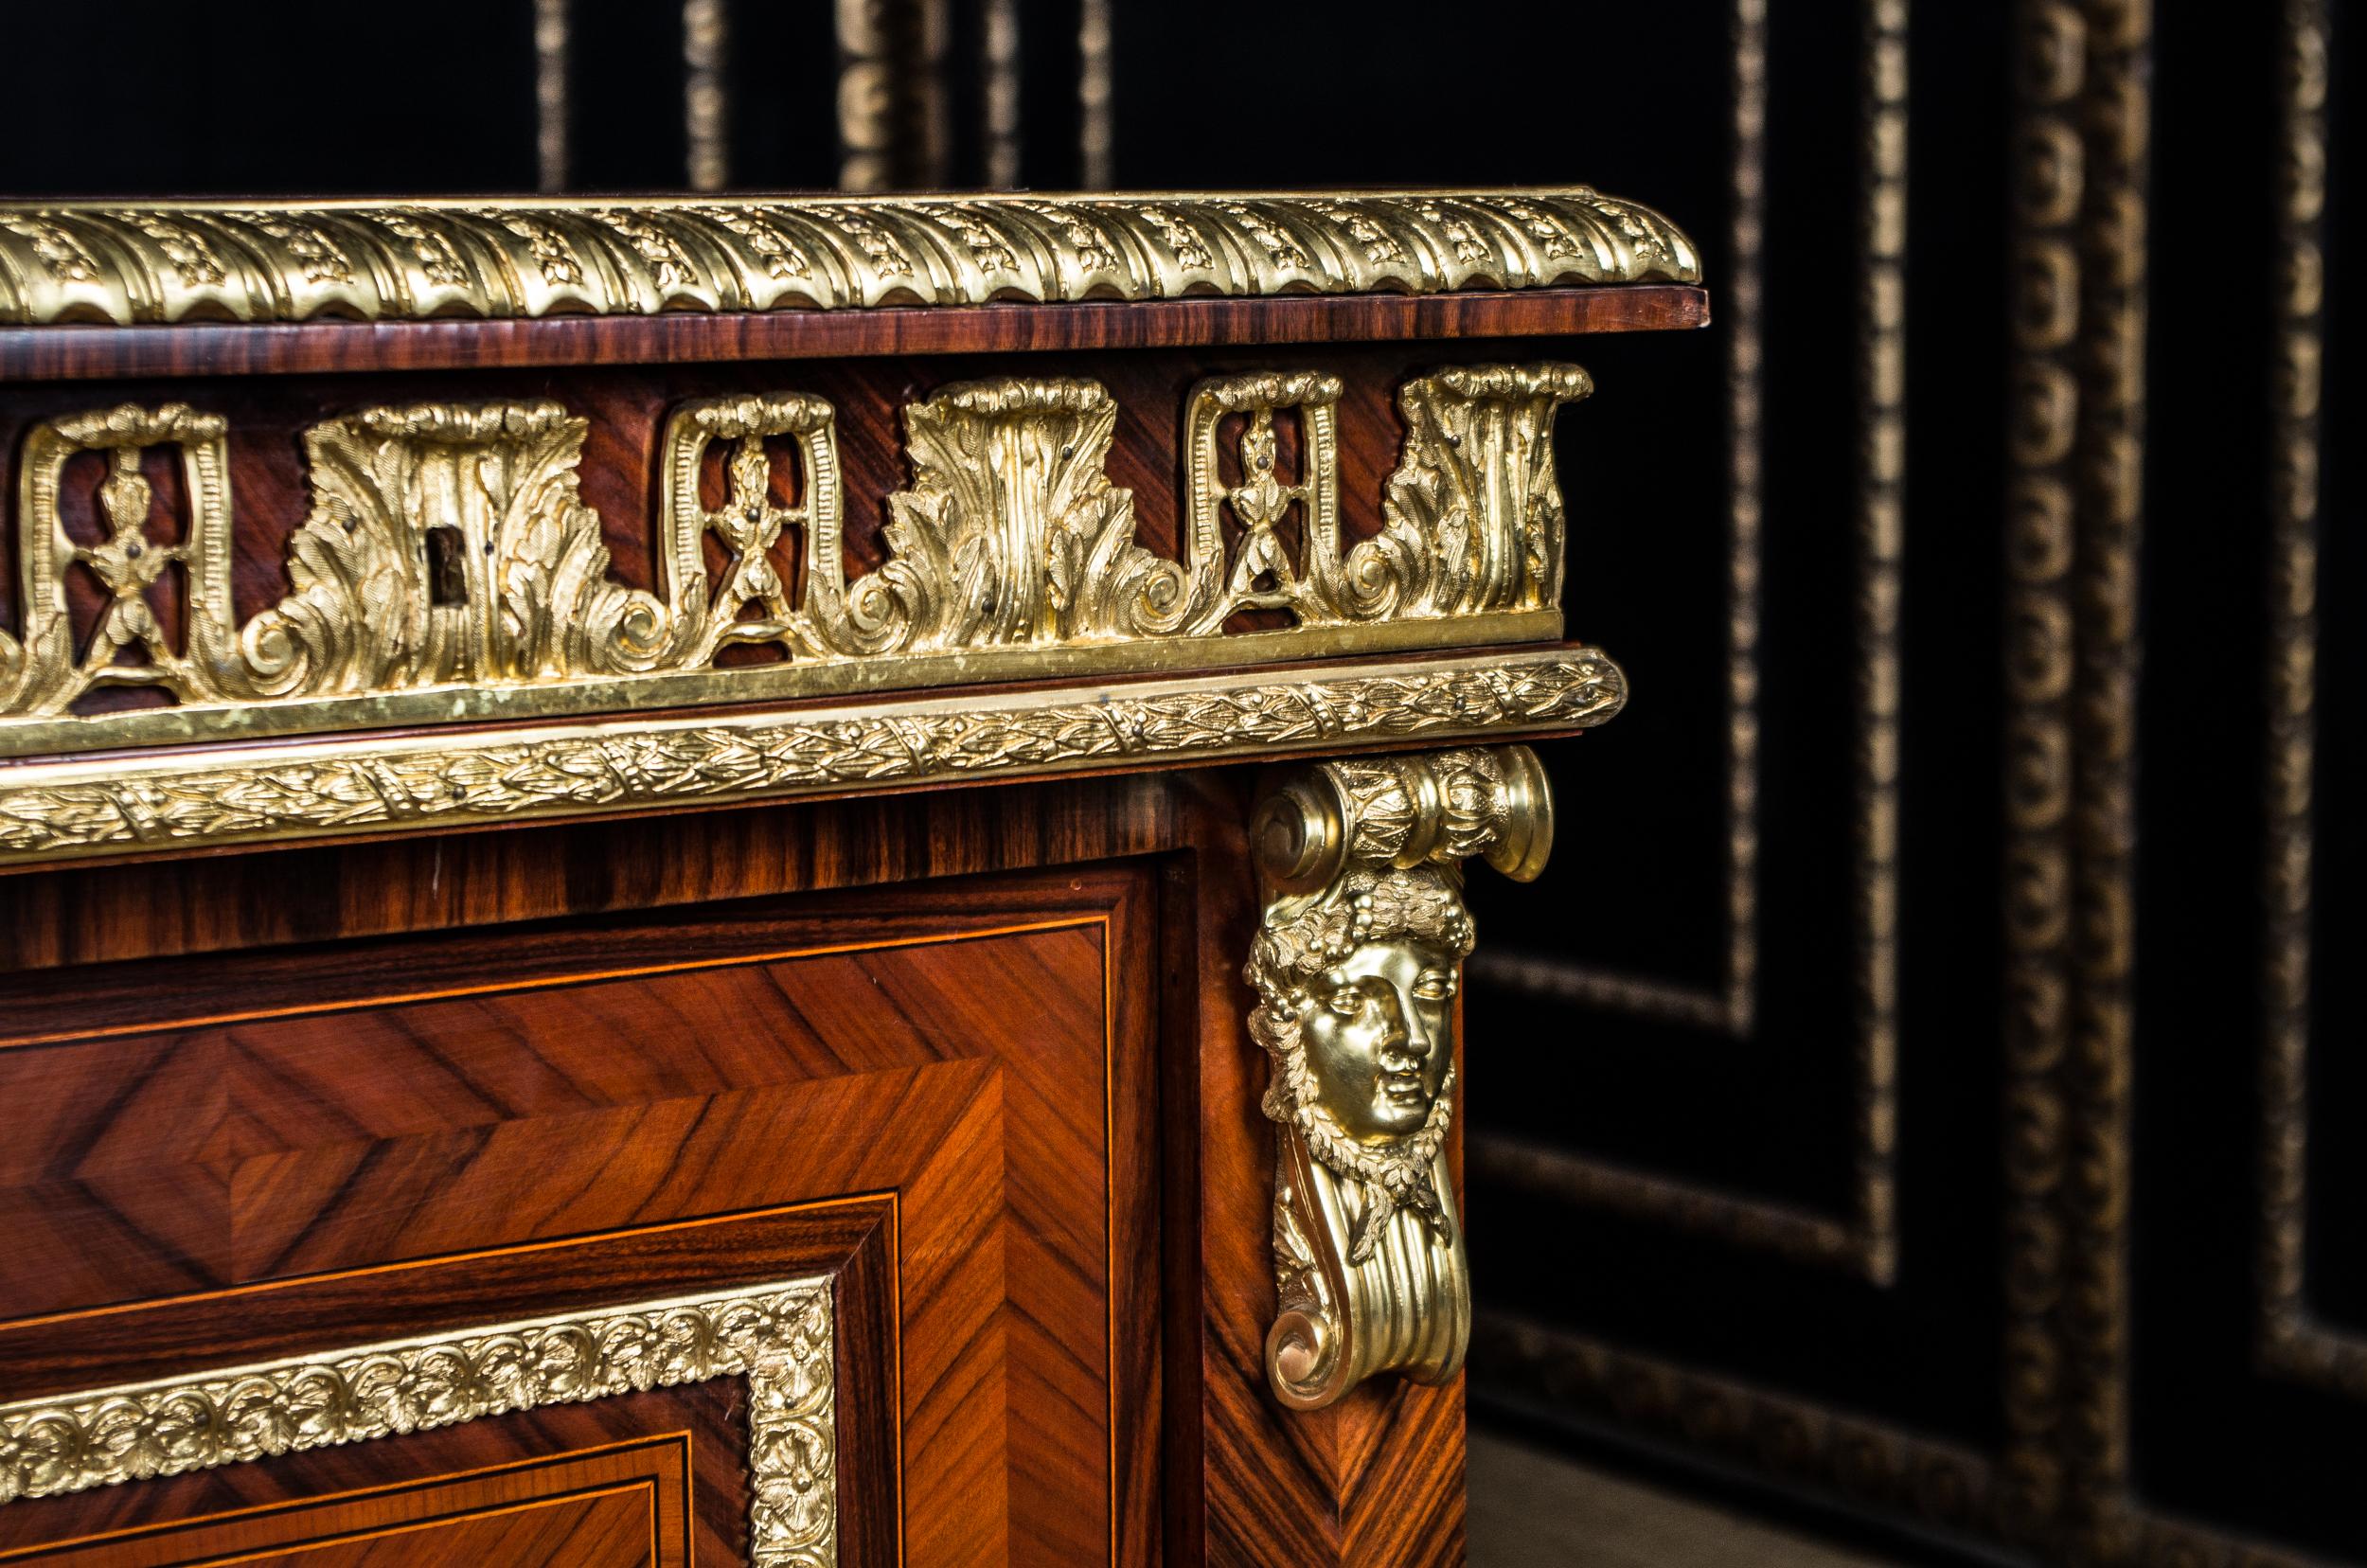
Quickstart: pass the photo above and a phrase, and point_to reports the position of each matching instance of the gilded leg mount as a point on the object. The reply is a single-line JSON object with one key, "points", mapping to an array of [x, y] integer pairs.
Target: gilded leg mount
{"points": [[1356, 966]]}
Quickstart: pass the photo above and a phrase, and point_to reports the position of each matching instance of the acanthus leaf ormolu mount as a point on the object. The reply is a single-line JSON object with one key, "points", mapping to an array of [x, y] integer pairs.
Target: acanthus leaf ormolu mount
{"points": [[338, 523], [449, 567]]}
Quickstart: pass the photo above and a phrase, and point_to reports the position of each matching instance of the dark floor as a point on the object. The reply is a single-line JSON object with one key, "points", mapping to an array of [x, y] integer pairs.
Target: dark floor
{"points": [[1531, 1508]]}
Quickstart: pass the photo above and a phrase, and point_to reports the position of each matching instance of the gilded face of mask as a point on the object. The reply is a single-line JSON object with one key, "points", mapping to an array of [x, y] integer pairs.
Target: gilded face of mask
{"points": [[1376, 1026]]}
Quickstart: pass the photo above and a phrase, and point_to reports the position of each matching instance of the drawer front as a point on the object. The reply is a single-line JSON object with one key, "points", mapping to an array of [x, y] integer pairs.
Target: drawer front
{"points": [[778, 1230]]}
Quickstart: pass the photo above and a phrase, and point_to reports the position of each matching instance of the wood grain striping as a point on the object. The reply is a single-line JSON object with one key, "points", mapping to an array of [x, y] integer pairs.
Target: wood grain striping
{"points": [[970, 1074], [66, 353], [1145, 875], [626, 1503]]}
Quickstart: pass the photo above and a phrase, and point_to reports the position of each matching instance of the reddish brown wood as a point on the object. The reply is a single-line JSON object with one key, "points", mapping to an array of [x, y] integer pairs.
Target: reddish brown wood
{"points": [[97, 1348], [83, 352], [1377, 1479], [324, 896], [978, 1053], [1223, 1471], [624, 1503]]}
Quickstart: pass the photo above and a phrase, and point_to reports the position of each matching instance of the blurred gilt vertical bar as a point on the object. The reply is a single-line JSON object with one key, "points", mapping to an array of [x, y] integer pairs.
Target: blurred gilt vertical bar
{"points": [[999, 63], [864, 93], [2074, 528], [707, 105], [1746, 508], [550, 95], [2109, 482], [891, 94], [2292, 1339], [2049, 179], [1881, 545], [1093, 104]]}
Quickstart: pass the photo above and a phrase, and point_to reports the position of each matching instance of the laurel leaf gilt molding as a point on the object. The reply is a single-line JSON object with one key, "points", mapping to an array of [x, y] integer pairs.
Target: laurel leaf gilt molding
{"points": [[276, 261], [79, 807]]}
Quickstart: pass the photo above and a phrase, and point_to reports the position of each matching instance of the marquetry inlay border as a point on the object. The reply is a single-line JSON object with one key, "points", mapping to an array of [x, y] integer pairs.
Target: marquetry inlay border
{"points": [[777, 1336]]}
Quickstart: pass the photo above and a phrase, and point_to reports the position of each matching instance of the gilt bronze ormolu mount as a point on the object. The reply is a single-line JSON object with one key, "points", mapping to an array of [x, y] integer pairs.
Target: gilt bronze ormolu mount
{"points": [[446, 628], [124, 264], [449, 568], [350, 521], [1356, 965]]}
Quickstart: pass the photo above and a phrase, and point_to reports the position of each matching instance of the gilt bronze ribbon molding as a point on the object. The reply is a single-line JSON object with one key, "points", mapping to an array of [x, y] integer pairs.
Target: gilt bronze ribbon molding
{"points": [[258, 261]]}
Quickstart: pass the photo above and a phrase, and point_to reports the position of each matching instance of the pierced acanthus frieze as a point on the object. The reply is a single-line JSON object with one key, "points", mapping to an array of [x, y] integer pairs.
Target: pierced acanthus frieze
{"points": [[449, 567]]}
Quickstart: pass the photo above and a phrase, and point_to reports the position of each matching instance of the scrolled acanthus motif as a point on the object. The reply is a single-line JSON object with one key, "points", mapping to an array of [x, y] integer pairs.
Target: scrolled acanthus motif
{"points": [[448, 556], [446, 544], [779, 1337], [1356, 966], [1011, 534], [1476, 499]]}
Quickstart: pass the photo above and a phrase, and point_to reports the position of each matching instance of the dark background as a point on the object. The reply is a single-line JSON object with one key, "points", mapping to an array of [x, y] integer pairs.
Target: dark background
{"points": [[1655, 1130]]}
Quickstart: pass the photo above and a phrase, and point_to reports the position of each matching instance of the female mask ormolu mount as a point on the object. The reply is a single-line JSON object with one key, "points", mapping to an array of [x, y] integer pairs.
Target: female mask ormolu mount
{"points": [[1356, 966]]}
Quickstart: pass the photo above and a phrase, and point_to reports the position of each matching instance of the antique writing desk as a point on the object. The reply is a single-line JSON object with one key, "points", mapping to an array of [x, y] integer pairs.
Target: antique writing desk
{"points": [[638, 923]]}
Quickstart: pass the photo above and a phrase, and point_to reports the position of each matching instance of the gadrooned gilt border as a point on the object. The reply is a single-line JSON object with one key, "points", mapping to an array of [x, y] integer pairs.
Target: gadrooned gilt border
{"points": [[777, 1336], [123, 264], [447, 569]]}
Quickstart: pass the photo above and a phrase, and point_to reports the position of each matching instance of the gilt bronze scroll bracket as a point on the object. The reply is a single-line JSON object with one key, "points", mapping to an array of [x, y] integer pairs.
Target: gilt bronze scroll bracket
{"points": [[1356, 965]]}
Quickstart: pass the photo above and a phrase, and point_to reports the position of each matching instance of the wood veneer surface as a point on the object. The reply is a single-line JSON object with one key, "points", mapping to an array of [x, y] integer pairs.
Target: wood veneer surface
{"points": [[442, 1103], [51, 353]]}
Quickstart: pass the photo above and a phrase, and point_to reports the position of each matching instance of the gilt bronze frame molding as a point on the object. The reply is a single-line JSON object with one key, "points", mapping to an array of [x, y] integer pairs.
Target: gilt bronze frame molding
{"points": [[1356, 966], [779, 1337], [1864, 1239], [260, 262]]}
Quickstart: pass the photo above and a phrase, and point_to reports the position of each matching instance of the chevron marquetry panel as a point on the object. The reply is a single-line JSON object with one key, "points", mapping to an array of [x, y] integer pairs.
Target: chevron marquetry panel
{"points": [[235, 1158]]}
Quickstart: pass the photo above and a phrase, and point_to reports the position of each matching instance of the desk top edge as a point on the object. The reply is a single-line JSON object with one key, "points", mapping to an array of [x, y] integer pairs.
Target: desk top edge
{"points": [[87, 352], [146, 263]]}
